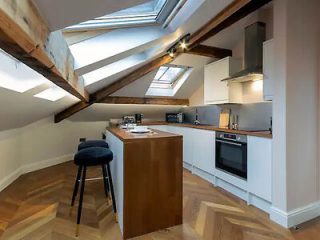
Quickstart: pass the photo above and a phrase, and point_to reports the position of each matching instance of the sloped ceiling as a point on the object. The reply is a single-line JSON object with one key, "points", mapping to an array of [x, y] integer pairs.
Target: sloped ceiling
{"points": [[20, 109], [64, 13], [24, 108]]}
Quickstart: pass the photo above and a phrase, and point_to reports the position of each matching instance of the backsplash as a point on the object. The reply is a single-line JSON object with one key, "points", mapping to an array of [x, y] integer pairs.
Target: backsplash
{"points": [[253, 115]]}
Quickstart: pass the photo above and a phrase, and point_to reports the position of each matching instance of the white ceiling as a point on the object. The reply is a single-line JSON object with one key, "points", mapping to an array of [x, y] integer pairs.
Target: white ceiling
{"points": [[63, 13], [229, 37]]}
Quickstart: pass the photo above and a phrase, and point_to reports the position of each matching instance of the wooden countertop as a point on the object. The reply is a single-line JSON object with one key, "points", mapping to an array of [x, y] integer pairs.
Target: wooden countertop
{"points": [[124, 135], [212, 128]]}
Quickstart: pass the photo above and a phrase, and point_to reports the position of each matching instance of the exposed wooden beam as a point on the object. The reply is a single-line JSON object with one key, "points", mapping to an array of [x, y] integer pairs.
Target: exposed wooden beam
{"points": [[112, 88], [136, 100], [25, 35], [209, 51], [237, 10], [130, 78]]}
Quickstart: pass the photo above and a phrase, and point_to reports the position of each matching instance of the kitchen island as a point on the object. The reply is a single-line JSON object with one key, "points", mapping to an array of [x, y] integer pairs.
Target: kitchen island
{"points": [[147, 178]]}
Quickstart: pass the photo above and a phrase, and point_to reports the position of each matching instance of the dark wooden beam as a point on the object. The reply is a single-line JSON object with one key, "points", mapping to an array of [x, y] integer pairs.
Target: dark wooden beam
{"points": [[25, 36], [130, 78], [237, 10], [209, 51], [112, 88], [154, 101]]}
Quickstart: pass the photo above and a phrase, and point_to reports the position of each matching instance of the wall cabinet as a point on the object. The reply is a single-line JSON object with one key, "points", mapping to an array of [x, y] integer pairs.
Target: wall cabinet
{"points": [[216, 91], [259, 167], [268, 70]]}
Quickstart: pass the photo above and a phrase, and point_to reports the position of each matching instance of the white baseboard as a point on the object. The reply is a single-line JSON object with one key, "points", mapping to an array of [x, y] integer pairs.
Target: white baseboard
{"points": [[296, 216], [10, 179], [31, 168], [47, 163], [204, 175]]}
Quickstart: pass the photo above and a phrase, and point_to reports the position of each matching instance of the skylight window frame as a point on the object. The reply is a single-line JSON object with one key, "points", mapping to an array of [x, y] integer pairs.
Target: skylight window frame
{"points": [[162, 84], [157, 16]]}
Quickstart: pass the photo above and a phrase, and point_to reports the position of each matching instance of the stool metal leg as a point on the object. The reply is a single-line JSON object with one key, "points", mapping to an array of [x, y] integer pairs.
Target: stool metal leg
{"points": [[105, 180], [81, 199], [75, 189], [112, 192]]}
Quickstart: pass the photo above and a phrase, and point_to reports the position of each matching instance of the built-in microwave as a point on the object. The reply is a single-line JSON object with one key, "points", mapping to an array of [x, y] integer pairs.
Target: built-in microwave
{"points": [[174, 117], [231, 153]]}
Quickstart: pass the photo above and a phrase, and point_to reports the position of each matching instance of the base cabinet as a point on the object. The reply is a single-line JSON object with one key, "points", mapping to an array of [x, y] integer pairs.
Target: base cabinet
{"points": [[204, 150], [259, 167], [199, 156]]}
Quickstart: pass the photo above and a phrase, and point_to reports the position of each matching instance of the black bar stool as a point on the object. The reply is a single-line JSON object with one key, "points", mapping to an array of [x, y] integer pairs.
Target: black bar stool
{"points": [[92, 143], [97, 143], [92, 156]]}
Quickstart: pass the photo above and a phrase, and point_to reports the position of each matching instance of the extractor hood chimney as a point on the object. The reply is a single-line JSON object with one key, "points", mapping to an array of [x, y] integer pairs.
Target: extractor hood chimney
{"points": [[255, 35]]}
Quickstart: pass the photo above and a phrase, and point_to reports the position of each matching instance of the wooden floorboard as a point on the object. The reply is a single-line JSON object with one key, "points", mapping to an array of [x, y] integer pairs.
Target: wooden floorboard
{"points": [[36, 206]]}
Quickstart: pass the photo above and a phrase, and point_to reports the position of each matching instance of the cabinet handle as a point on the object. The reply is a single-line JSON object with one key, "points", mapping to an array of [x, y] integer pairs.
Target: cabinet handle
{"points": [[231, 143]]}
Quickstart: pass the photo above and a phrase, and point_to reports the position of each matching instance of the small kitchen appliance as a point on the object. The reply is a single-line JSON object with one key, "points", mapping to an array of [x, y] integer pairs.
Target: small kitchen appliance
{"points": [[174, 117]]}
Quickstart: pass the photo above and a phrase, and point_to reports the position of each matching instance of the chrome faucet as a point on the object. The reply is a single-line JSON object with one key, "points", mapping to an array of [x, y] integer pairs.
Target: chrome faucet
{"points": [[197, 122]]}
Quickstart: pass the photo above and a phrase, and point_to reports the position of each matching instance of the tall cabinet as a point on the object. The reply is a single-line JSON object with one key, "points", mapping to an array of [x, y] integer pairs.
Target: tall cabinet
{"points": [[217, 91]]}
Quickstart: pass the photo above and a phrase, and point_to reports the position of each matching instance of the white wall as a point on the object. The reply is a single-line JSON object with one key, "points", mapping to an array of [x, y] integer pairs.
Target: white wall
{"points": [[197, 98], [10, 155], [295, 117], [41, 144]]}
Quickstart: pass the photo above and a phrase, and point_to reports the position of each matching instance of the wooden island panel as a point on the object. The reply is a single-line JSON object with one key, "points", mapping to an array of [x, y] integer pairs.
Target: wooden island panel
{"points": [[152, 181]]}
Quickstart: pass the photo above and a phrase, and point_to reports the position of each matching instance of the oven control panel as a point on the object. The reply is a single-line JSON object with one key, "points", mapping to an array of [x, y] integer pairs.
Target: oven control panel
{"points": [[231, 136]]}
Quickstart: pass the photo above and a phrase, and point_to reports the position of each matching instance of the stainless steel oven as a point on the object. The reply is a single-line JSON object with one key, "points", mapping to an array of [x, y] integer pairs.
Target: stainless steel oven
{"points": [[231, 153]]}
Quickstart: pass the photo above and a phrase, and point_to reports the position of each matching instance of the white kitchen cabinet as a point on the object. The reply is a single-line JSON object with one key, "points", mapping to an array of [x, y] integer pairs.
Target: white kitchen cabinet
{"points": [[259, 167], [216, 91], [204, 150], [268, 70], [187, 134]]}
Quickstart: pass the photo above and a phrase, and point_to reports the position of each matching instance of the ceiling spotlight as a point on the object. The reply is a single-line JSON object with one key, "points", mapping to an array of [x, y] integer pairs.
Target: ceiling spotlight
{"points": [[171, 52], [183, 44]]}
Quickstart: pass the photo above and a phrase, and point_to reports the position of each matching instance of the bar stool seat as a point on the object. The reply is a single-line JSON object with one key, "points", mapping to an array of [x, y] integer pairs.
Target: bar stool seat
{"points": [[93, 143], [93, 156]]}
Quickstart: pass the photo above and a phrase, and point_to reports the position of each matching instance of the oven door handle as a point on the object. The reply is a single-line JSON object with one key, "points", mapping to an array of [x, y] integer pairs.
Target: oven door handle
{"points": [[232, 143]]}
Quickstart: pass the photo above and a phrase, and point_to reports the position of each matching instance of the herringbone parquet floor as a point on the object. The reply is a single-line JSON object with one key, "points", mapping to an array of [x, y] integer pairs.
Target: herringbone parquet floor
{"points": [[36, 206]]}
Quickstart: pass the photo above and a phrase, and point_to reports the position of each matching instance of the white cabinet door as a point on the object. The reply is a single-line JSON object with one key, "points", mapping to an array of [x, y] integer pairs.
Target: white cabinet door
{"points": [[187, 134], [268, 70], [204, 150], [259, 166], [216, 91], [188, 148]]}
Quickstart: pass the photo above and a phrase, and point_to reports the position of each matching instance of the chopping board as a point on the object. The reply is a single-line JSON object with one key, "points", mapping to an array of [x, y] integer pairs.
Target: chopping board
{"points": [[224, 118]]}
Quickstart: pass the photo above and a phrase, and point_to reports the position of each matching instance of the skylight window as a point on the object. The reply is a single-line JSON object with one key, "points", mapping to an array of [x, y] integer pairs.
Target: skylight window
{"points": [[53, 94], [152, 12], [16, 76], [167, 76]]}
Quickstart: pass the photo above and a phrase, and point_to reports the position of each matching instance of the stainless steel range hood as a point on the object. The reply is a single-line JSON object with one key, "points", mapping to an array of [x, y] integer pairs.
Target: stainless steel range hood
{"points": [[255, 35]]}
